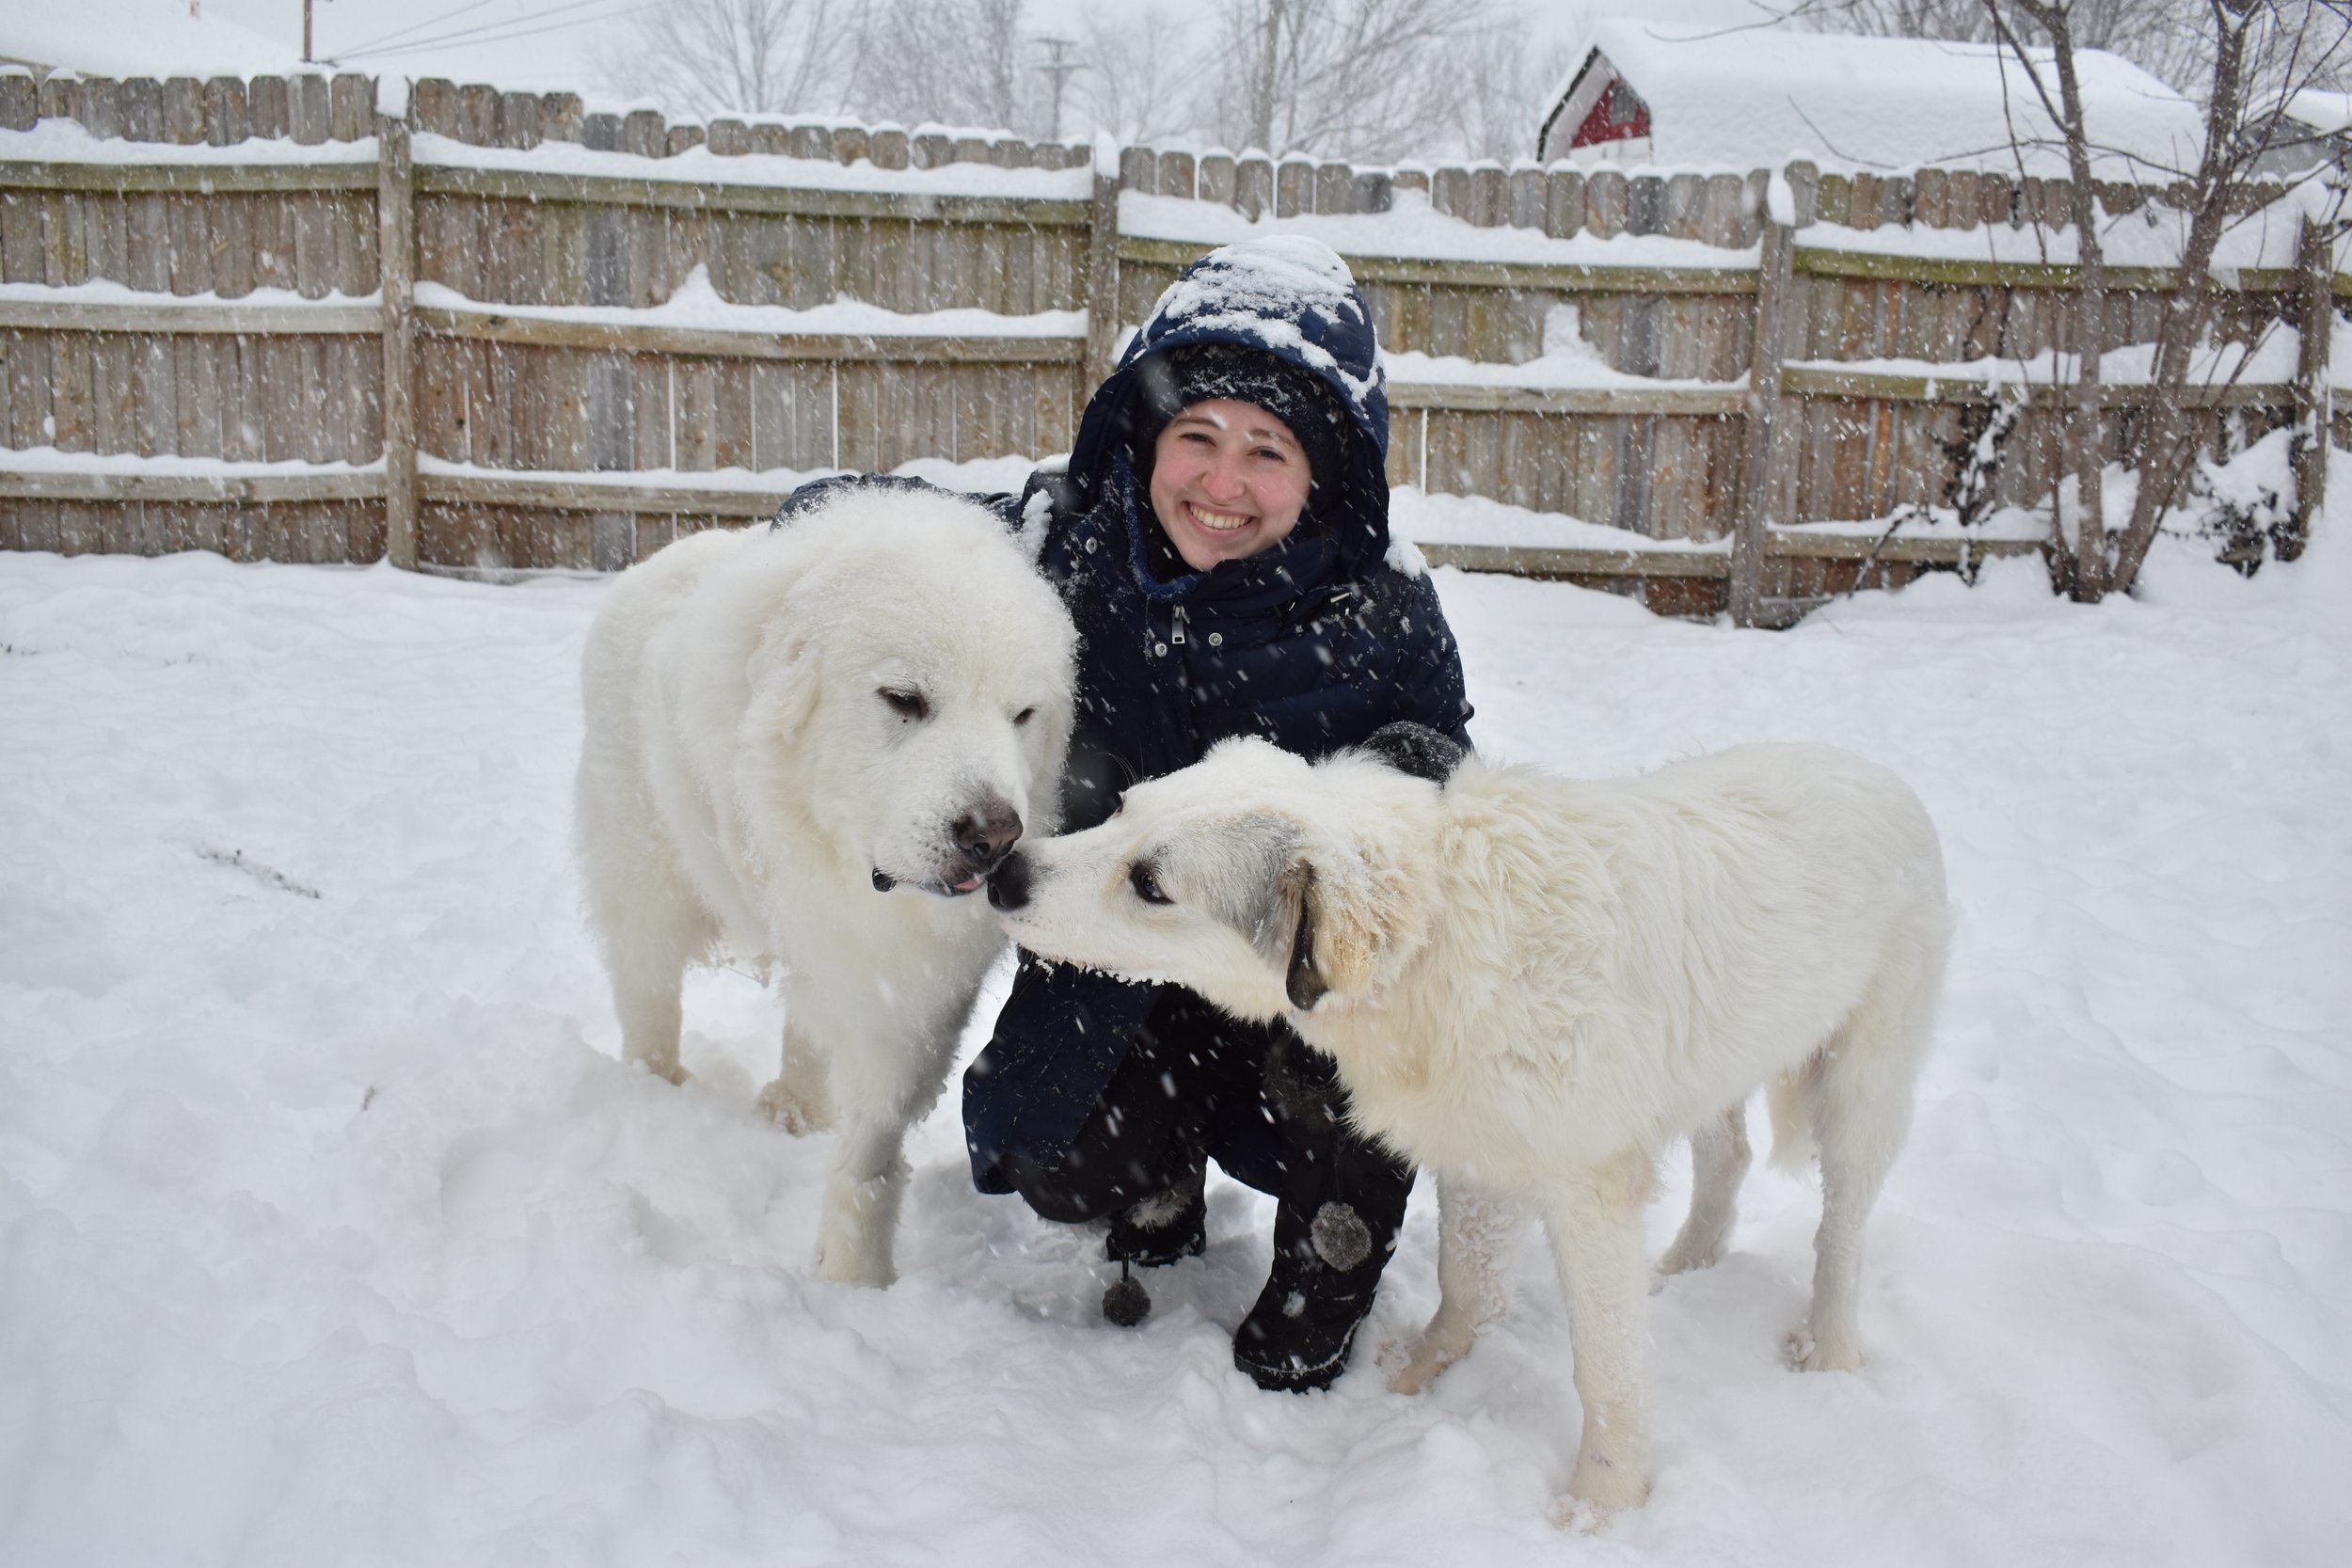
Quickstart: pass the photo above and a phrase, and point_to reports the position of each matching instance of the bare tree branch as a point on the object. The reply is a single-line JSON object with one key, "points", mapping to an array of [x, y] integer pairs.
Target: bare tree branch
{"points": [[751, 56], [1357, 78], [1139, 71], [959, 62]]}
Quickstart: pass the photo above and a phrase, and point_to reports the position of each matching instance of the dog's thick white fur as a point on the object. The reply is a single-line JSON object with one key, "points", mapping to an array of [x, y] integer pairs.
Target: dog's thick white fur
{"points": [[804, 747], [1533, 984]]}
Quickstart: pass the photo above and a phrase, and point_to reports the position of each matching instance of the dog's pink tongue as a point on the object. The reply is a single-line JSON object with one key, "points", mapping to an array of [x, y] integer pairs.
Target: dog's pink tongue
{"points": [[969, 884]]}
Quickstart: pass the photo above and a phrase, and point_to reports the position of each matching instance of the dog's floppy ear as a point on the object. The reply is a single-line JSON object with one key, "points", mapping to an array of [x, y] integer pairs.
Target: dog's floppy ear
{"points": [[764, 622], [1324, 910], [1339, 925], [1300, 981], [786, 677]]}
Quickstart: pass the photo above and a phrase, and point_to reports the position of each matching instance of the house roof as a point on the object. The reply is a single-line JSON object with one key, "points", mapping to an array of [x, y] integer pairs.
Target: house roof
{"points": [[2323, 109], [1748, 98], [139, 38]]}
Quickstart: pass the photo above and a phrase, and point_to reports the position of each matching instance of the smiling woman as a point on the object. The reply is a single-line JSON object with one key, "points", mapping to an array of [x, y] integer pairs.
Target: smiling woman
{"points": [[1220, 535]]}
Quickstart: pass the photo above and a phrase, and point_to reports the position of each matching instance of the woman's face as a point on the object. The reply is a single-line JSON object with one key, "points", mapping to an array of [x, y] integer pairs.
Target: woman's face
{"points": [[1227, 481]]}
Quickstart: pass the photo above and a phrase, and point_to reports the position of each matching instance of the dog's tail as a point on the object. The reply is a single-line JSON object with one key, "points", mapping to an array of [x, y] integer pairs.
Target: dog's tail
{"points": [[1790, 1098]]}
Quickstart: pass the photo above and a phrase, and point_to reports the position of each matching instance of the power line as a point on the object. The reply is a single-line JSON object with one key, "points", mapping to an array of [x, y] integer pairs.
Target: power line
{"points": [[477, 33], [494, 32], [413, 26]]}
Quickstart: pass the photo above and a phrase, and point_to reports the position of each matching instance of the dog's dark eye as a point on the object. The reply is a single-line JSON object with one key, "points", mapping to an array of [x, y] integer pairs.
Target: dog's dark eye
{"points": [[1147, 886], [1025, 716], [906, 705]]}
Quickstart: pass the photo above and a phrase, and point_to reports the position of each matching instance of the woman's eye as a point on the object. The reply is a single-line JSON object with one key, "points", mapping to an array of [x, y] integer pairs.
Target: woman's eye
{"points": [[906, 705], [1147, 886]]}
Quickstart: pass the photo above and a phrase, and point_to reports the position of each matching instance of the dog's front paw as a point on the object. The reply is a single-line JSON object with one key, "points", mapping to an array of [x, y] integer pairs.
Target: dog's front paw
{"points": [[1414, 1376], [1805, 1354], [1598, 1489], [1431, 1353], [1680, 1258], [1575, 1515], [788, 1108], [670, 1071], [855, 1265]]}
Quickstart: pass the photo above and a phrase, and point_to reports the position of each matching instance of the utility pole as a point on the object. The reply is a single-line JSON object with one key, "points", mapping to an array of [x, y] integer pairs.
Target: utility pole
{"points": [[1059, 68], [308, 52], [1262, 90]]}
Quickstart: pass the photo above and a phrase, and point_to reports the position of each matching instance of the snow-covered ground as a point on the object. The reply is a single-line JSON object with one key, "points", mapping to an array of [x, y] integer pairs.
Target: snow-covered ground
{"points": [[332, 1232]]}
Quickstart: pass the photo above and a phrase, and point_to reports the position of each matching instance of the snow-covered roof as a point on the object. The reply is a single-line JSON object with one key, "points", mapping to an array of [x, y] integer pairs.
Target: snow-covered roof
{"points": [[141, 38], [1748, 98], [2323, 109]]}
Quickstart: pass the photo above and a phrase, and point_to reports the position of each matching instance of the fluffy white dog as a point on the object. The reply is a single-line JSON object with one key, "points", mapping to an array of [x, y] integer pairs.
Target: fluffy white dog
{"points": [[1532, 983], [806, 746]]}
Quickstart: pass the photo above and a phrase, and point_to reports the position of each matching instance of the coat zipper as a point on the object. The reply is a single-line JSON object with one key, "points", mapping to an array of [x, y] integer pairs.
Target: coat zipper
{"points": [[1176, 628]]}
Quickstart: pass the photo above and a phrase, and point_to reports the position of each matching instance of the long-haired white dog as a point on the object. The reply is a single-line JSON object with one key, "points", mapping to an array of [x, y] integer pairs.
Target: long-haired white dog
{"points": [[1532, 983], [806, 746]]}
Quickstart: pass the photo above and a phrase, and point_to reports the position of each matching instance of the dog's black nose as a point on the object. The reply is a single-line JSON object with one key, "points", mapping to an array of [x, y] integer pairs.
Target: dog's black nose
{"points": [[1008, 884], [986, 833]]}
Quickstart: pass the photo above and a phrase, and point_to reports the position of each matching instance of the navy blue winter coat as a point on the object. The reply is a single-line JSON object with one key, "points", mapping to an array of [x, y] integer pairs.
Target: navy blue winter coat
{"points": [[1313, 645]]}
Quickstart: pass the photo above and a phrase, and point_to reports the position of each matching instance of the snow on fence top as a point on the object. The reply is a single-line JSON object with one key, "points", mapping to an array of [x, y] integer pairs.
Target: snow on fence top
{"points": [[67, 141], [695, 305], [1413, 228], [2143, 235]]}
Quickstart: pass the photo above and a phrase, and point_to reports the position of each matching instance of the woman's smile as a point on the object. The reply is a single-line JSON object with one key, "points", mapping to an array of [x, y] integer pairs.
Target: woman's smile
{"points": [[1220, 522]]}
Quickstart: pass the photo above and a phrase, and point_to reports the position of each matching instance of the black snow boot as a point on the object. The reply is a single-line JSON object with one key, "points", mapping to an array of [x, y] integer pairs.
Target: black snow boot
{"points": [[1168, 1227], [1297, 1338], [1335, 1223]]}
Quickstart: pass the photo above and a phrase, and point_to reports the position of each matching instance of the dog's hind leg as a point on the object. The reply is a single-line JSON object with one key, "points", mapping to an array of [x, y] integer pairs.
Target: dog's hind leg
{"points": [[1596, 1232], [1861, 1090], [651, 1004], [1478, 1240], [799, 1100], [649, 925], [1720, 1157]]}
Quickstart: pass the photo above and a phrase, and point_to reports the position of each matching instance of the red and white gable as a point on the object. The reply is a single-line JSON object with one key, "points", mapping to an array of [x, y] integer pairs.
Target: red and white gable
{"points": [[1601, 116]]}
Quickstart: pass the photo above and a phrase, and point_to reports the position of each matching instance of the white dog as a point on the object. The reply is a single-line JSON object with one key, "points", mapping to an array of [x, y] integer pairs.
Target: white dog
{"points": [[1532, 983], [808, 746]]}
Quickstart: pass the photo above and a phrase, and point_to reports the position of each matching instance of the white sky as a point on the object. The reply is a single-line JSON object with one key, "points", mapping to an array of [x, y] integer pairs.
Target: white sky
{"points": [[546, 43]]}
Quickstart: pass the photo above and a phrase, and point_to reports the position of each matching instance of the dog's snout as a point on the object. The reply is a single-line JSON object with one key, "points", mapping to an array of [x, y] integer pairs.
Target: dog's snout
{"points": [[987, 831], [1008, 884]]}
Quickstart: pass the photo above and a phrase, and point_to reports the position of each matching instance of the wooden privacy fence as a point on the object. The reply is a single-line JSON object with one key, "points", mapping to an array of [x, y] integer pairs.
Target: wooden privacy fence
{"points": [[263, 318]]}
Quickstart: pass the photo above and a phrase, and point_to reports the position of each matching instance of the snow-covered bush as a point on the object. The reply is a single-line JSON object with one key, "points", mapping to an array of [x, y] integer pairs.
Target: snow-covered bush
{"points": [[2244, 505]]}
